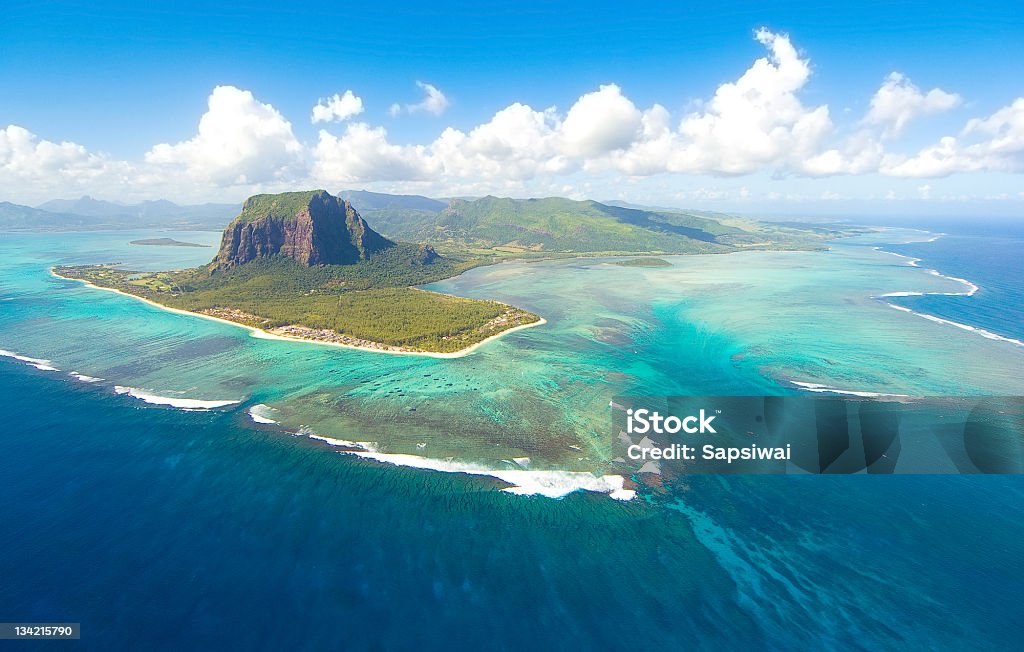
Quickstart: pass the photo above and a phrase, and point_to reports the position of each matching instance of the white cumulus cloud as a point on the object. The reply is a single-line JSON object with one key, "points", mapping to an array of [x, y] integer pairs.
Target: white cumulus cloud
{"points": [[434, 102], [992, 144], [364, 154], [38, 169], [338, 107], [755, 122], [240, 141], [860, 154], [898, 101], [518, 142], [601, 122], [25, 155]]}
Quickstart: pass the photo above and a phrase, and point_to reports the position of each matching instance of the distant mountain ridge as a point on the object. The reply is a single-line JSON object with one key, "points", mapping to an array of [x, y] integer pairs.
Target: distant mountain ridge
{"points": [[152, 209], [88, 213], [554, 224], [485, 226], [16, 216], [372, 201]]}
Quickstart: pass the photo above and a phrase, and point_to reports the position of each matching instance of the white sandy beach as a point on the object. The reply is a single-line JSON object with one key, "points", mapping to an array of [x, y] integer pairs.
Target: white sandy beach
{"points": [[264, 335]]}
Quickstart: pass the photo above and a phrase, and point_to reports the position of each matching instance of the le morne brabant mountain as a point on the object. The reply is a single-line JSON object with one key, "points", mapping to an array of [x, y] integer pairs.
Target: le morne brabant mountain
{"points": [[312, 229], [307, 265]]}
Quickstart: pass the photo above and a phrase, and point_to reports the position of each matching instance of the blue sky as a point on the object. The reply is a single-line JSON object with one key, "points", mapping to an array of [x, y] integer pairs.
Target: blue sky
{"points": [[612, 101]]}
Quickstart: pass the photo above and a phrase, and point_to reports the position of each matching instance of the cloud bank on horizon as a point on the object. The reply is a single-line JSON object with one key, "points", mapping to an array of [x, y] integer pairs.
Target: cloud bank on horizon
{"points": [[755, 124]]}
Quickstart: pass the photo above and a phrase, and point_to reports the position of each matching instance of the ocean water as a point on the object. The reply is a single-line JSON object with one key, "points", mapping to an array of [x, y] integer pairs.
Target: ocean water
{"points": [[161, 527], [990, 256]]}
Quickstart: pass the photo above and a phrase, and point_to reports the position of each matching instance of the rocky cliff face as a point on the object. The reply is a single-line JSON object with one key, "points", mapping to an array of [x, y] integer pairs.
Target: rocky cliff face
{"points": [[425, 254], [314, 228]]}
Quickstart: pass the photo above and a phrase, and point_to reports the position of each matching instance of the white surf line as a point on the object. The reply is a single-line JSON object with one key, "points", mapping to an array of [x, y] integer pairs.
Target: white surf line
{"points": [[182, 403], [260, 413], [550, 484], [84, 378], [38, 363], [261, 334], [972, 289], [826, 389], [913, 262], [973, 329]]}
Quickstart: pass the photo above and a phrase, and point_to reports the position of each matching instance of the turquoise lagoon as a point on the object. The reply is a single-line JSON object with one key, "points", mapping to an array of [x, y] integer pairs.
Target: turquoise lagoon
{"points": [[168, 529], [750, 323]]}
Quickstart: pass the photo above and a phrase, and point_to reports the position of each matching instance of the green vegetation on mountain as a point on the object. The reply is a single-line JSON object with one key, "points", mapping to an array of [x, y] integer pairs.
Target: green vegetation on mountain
{"points": [[285, 205], [306, 264], [556, 226], [270, 273]]}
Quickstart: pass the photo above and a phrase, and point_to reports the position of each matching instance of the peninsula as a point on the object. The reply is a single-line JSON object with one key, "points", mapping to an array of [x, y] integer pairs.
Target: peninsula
{"points": [[305, 265]]}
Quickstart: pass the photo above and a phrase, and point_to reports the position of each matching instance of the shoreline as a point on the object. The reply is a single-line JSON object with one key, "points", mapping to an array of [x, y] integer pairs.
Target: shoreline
{"points": [[259, 333]]}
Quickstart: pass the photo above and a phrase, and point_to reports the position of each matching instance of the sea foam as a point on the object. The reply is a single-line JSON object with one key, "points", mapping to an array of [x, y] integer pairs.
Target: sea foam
{"points": [[38, 363], [971, 290], [826, 389], [182, 403], [261, 413], [549, 483], [84, 378], [913, 262], [967, 327]]}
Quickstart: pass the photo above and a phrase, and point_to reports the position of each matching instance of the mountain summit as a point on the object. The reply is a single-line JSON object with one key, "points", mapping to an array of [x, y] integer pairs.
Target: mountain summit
{"points": [[311, 227]]}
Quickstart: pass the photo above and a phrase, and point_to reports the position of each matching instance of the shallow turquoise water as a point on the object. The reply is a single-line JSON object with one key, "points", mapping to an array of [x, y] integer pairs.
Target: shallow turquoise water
{"points": [[157, 527], [735, 324]]}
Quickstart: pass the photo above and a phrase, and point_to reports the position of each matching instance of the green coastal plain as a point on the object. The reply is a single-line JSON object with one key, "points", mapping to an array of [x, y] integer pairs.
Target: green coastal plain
{"points": [[365, 304], [270, 271], [643, 262]]}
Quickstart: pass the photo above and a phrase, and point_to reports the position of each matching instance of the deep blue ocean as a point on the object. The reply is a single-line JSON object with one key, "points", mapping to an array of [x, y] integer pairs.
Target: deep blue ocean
{"points": [[163, 529], [167, 529], [990, 255]]}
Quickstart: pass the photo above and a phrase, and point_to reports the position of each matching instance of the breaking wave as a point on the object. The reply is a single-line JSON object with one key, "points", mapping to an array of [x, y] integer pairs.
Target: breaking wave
{"points": [[548, 483], [181, 403], [261, 413], [38, 363], [970, 290]]}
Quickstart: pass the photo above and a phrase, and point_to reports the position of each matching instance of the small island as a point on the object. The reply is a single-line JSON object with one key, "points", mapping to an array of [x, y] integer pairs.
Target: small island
{"points": [[306, 266], [643, 262], [165, 242]]}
